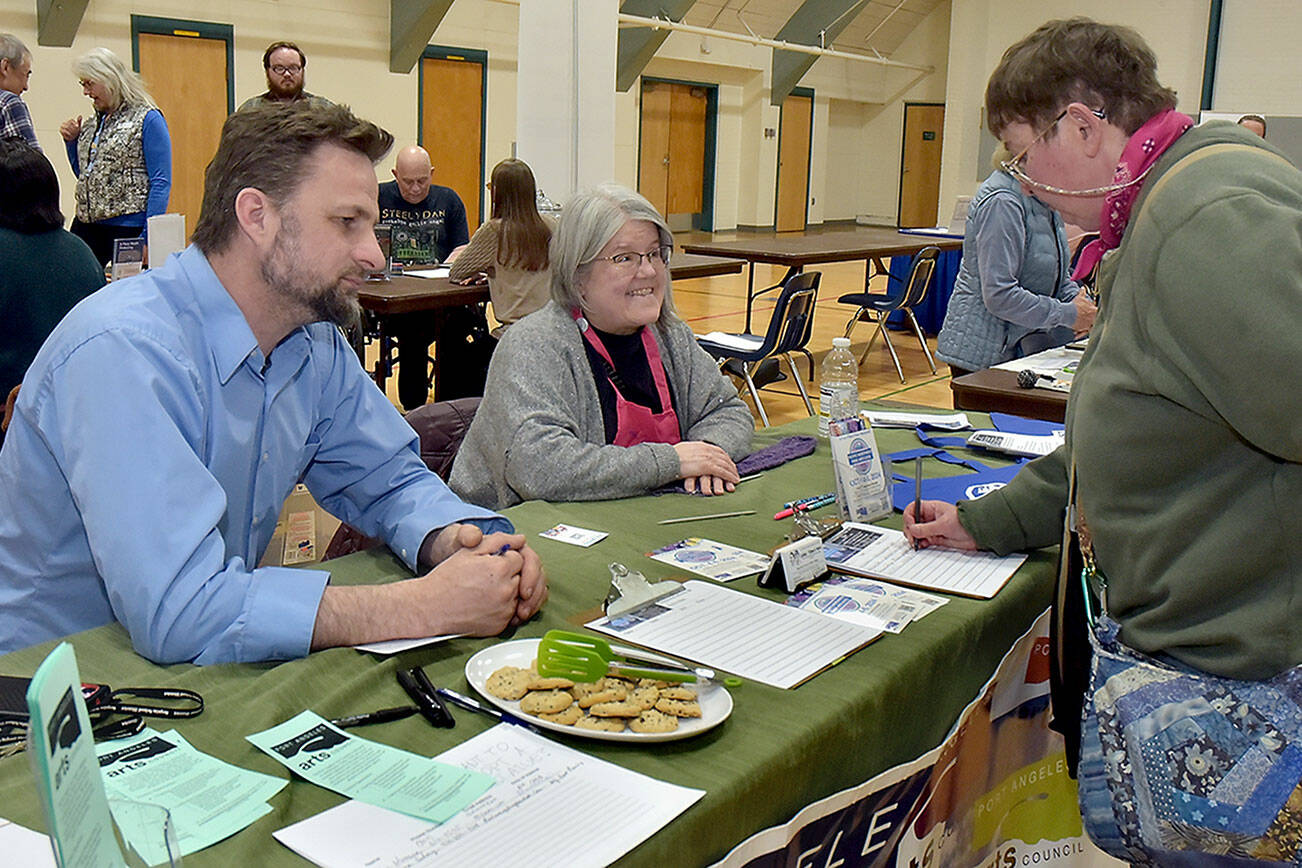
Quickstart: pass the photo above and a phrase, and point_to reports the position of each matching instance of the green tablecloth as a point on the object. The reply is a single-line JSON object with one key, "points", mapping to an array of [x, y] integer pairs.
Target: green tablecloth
{"points": [[779, 751]]}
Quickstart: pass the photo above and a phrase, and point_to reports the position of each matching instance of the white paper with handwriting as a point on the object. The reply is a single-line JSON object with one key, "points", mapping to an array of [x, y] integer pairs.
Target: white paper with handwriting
{"points": [[550, 799]]}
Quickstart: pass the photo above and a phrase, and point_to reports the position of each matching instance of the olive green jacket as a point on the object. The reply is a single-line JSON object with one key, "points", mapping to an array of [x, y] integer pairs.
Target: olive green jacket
{"points": [[1185, 420]]}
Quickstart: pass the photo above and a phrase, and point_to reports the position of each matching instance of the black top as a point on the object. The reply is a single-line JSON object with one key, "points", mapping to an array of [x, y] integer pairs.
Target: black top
{"points": [[633, 374], [427, 231]]}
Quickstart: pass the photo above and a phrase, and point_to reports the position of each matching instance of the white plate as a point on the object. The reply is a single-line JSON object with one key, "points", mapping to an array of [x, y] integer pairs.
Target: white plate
{"points": [[716, 703]]}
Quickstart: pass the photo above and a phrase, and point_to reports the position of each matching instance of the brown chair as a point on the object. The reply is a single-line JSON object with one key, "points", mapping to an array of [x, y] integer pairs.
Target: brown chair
{"points": [[441, 427], [9, 409]]}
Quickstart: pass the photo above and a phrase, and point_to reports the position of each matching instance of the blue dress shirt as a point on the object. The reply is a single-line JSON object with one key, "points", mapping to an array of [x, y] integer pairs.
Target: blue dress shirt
{"points": [[151, 451]]}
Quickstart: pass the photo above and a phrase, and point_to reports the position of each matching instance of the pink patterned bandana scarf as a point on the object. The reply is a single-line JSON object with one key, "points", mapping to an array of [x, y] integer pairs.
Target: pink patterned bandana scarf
{"points": [[1148, 143]]}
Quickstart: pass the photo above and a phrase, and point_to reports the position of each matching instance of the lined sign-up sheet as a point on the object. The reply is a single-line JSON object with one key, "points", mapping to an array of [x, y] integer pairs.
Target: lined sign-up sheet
{"points": [[883, 553], [738, 633]]}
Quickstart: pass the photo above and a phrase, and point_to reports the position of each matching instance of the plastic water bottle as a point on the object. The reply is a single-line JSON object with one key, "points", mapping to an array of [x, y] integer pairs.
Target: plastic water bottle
{"points": [[838, 392]]}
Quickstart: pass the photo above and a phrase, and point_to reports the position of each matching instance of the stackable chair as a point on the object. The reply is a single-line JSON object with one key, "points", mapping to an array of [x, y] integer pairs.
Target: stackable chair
{"points": [[788, 332], [441, 426], [875, 307]]}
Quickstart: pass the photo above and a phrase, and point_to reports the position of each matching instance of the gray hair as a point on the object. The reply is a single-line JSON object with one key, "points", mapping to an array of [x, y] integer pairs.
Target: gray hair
{"points": [[12, 49], [123, 85], [588, 221]]}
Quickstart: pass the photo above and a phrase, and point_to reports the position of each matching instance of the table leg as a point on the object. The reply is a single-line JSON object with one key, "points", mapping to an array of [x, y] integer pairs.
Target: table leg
{"points": [[750, 291]]}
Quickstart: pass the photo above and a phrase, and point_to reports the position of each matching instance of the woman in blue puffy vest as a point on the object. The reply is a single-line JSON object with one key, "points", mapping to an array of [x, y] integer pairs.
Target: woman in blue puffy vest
{"points": [[1013, 295]]}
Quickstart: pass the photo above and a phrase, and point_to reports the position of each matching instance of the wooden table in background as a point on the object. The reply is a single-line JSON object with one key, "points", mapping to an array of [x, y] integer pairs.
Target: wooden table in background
{"points": [[995, 390], [873, 244], [404, 293]]}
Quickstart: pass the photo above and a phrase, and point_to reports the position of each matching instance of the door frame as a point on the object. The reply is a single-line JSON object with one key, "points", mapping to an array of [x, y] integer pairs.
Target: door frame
{"points": [[904, 124], [809, 156], [194, 30], [703, 221], [469, 55]]}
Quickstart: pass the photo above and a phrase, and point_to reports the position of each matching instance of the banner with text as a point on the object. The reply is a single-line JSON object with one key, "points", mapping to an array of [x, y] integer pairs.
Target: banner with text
{"points": [[994, 794]]}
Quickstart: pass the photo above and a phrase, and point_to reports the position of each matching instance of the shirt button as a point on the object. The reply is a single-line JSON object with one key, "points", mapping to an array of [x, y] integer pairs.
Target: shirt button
{"points": [[266, 456], [255, 521]]}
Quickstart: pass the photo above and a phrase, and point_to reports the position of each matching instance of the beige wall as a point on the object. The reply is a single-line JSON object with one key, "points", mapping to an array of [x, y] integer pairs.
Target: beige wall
{"points": [[859, 107], [1258, 66]]}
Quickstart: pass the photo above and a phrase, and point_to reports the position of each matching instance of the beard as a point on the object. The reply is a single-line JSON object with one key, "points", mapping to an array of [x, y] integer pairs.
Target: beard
{"points": [[279, 89], [286, 271]]}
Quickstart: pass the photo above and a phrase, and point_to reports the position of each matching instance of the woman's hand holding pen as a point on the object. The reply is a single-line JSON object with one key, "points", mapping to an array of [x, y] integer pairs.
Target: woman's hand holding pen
{"points": [[1086, 311], [939, 527]]}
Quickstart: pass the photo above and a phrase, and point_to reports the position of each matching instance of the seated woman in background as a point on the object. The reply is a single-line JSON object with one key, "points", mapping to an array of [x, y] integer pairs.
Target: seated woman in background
{"points": [[511, 248], [603, 393], [1013, 296], [44, 269]]}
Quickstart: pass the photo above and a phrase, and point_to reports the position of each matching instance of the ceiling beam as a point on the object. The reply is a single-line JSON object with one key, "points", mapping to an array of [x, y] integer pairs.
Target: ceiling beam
{"points": [[57, 21], [816, 22], [637, 45], [411, 25]]}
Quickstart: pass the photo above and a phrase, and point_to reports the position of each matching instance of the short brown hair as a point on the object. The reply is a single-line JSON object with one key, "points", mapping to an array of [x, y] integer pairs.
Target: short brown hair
{"points": [[1105, 66], [276, 46], [266, 148]]}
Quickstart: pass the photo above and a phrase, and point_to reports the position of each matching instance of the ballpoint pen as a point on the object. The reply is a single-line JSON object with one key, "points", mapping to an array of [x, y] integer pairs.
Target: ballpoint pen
{"points": [[815, 503], [471, 705], [384, 715], [917, 494]]}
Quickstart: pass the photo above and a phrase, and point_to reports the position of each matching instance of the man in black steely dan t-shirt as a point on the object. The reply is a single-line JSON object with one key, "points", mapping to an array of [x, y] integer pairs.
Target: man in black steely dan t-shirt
{"points": [[429, 225]]}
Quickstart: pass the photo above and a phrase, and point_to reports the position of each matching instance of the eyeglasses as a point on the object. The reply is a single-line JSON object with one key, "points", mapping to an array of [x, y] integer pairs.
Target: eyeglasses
{"points": [[282, 70], [630, 262], [1014, 167]]}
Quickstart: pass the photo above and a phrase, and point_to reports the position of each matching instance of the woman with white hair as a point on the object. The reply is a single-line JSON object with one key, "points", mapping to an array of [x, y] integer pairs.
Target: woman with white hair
{"points": [[123, 161], [603, 393]]}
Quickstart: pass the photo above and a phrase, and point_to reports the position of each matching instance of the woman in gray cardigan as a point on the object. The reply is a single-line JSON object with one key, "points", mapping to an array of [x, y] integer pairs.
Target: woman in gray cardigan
{"points": [[603, 393]]}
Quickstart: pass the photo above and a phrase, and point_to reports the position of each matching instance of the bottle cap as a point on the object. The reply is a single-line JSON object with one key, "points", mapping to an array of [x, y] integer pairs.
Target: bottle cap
{"points": [[842, 343]]}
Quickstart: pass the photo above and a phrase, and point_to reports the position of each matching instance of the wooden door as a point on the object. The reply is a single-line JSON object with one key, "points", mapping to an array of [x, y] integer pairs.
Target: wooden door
{"points": [[452, 129], [924, 127], [686, 149], [793, 163], [671, 150], [653, 147], [187, 76]]}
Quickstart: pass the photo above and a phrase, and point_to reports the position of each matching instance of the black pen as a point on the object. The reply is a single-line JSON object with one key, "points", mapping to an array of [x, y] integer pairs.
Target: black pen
{"points": [[422, 692], [917, 494], [471, 705], [384, 715]]}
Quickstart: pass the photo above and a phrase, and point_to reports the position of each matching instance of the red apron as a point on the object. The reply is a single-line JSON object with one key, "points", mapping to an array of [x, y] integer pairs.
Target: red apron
{"points": [[635, 423]]}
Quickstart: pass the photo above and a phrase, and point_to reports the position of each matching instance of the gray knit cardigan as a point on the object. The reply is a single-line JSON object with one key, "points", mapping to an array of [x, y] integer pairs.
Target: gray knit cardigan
{"points": [[539, 434]]}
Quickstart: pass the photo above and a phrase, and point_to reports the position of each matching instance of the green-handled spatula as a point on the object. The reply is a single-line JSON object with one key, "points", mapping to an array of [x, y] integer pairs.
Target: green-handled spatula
{"points": [[563, 654]]}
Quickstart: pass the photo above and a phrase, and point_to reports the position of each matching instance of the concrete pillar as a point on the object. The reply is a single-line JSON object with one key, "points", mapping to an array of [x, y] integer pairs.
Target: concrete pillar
{"points": [[565, 96]]}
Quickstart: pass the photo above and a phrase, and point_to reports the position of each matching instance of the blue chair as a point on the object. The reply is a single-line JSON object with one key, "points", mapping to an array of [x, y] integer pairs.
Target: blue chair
{"points": [[788, 332], [875, 307]]}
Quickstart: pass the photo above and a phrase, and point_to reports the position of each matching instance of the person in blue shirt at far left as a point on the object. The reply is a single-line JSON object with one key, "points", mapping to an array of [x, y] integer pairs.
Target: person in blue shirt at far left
{"points": [[122, 157], [167, 417]]}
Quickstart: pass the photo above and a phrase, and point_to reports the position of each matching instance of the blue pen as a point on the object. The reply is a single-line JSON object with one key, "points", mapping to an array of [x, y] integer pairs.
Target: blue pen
{"points": [[471, 705]]}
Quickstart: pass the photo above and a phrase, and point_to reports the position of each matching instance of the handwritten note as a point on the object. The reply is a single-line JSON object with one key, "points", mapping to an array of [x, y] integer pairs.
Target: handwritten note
{"points": [[371, 772], [550, 799], [868, 550]]}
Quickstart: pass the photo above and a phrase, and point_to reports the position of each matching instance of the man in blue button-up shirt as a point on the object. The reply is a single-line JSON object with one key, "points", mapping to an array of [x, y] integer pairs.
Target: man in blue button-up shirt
{"points": [[163, 423]]}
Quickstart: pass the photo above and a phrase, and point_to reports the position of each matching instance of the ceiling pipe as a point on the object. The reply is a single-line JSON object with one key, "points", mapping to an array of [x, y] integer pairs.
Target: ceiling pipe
{"points": [[667, 24]]}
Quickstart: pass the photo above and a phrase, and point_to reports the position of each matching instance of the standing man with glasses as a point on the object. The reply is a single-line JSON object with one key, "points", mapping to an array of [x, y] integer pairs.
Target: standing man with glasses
{"points": [[15, 71], [286, 67]]}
